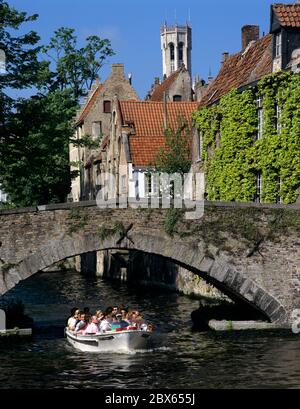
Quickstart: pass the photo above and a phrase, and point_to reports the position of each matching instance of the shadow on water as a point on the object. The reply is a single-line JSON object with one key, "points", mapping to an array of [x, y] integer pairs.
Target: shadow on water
{"points": [[181, 358]]}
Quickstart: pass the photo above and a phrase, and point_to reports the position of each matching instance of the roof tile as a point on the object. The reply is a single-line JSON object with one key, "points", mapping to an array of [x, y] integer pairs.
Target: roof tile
{"points": [[288, 15], [241, 69], [148, 119]]}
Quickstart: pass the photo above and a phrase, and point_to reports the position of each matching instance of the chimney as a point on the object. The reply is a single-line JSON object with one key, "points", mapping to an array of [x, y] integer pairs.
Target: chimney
{"points": [[117, 69], [249, 33], [225, 56], [130, 78], [156, 81]]}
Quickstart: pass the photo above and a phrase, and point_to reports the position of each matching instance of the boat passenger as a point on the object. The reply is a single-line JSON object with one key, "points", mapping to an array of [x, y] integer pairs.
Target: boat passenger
{"points": [[105, 323], [92, 327], [82, 323], [73, 319], [115, 310], [136, 319]]}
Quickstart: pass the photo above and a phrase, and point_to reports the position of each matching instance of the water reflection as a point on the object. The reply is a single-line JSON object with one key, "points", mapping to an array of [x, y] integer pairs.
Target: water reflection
{"points": [[181, 359]]}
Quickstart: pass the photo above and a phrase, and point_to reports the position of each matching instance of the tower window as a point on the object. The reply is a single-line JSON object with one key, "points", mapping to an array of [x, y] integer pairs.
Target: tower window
{"points": [[180, 53], [172, 51], [107, 107]]}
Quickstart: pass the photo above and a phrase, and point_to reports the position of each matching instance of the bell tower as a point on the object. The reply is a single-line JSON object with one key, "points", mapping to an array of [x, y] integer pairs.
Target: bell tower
{"points": [[176, 47]]}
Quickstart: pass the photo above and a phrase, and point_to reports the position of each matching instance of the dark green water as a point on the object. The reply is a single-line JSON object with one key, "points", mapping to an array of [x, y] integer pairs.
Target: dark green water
{"points": [[181, 358]]}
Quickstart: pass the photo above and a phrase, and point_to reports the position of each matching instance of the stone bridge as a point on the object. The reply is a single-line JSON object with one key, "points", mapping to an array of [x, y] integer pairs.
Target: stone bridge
{"points": [[250, 252]]}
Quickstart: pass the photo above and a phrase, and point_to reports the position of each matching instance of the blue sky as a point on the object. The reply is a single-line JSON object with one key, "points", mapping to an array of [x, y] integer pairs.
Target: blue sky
{"points": [[133, 26]]}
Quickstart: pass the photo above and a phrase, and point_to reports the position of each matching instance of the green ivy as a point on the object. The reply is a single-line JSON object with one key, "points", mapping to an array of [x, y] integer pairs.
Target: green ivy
{"points": [[232, 157]]}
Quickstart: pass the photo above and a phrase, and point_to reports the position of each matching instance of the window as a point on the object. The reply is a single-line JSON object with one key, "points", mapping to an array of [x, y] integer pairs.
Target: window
{"points": [[180, 53], [107, 107], [172, 51], [148, 185], [278, 118], [177, 98], [172, 56], [260, 118], [200, 144], [258, 195], [96, 129], [278, 43], [279, 186]]}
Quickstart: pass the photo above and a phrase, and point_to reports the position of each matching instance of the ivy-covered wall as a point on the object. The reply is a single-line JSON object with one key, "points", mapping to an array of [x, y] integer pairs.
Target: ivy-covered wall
{"points": [[232, 157]]}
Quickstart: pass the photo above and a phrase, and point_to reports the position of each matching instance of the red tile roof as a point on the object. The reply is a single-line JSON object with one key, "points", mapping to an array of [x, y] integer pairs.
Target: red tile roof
{"points": [[89, 104], [288, 15], [241, 69], [159, 90], [148, 120]]}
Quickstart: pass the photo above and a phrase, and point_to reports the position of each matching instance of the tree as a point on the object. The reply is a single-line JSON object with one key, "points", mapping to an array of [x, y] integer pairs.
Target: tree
{"points": [[175, 157], [35, 132], [21, 63], [34, 165], [75, 68]]}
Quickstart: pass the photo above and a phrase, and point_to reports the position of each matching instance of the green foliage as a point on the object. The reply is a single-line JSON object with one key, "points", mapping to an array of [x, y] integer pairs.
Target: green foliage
{"points": [[79, 218], [34, 154], [35, 132], [232, 157], [104, 232], [176, 156], [172, 217], [75, 68]]}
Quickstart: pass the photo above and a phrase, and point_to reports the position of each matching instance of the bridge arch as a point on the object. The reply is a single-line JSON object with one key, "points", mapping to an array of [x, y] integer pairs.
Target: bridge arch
{"points": [[193, 257]]}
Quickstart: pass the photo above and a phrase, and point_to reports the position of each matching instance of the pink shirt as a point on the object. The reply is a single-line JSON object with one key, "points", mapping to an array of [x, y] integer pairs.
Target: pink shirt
{"points": [[91, 329]]}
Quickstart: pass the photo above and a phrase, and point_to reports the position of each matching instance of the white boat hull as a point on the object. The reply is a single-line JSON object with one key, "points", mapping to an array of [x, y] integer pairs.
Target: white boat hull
{"points": [[123, 341]]}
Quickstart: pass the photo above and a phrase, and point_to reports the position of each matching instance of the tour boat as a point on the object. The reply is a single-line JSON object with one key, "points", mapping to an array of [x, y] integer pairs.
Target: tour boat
{"points": [[110, 341]]}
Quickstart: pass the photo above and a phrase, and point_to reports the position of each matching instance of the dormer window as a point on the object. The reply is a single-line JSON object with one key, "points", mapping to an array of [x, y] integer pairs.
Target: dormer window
{"points": [[177, 98], [278, 44]]}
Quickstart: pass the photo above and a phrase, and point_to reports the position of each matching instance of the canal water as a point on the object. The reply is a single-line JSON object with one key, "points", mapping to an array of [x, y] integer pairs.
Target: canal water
{"points": [[180, 358]]}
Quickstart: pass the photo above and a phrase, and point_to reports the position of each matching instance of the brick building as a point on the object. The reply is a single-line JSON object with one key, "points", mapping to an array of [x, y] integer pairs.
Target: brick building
{"points": [[274, 53], [94, 120], [136, 136]]}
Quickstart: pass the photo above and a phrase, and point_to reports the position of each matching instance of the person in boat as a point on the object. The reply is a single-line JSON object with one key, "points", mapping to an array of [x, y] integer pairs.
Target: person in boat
{"points": [[115, 311], [124, 319], [106, 322], [92, 327], [73, 319], [136, 319], [82, 323]]}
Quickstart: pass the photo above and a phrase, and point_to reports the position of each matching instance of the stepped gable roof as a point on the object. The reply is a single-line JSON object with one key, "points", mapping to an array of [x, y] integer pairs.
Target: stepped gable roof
{"points": [[241, 69], [159, 90], [89, 104], [288, 15], [147, 119]]}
